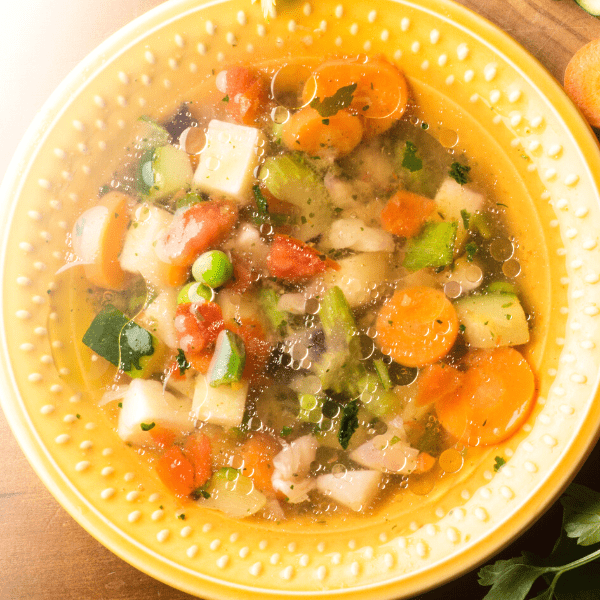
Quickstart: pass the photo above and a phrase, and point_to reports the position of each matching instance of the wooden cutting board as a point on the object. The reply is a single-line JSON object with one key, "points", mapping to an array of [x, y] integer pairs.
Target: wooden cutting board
{"points": [[46, 555]]}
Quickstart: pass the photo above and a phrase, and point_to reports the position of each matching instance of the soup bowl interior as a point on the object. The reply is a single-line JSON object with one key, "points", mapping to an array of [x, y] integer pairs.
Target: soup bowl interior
{"points": [[529, 148]]}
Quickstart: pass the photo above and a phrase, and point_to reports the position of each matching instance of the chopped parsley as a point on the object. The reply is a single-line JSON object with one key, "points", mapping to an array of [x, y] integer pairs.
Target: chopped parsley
{"points": [[460, 173], [471, 250], [182, 362], [348, 423], [499, 462], [147, 426], [410, 160], [466, 216], [330, 105], [261, 201]]}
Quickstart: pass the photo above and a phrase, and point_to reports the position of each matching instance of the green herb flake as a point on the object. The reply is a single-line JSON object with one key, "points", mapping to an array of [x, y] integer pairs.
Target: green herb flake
{"points": [[460, 173], [466, 216], [120, 405], [182, 362], [147, 426], [226, 98], [462, 328], [181, 516], [410, 160], [471, 249], [325, 121], [348, 423], [330, 105], [499, 462]]}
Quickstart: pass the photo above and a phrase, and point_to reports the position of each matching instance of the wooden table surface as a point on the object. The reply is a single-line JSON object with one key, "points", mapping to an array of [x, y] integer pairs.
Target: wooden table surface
{"points": [[36, 563]]}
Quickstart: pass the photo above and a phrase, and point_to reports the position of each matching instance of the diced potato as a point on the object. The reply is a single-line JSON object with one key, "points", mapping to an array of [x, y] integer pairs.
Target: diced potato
{"points": [[159, 317], [233, 494], [468, 274], [223, 405], [139, 255], [145, 406], [452, 198], [359, 276], [493, 320], [355, 489], [229, 160], [236, 306], [354, 234]]}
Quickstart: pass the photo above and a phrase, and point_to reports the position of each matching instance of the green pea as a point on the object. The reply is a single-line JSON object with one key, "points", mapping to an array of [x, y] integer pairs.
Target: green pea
{"points": [[213, 268], [195, 292]]}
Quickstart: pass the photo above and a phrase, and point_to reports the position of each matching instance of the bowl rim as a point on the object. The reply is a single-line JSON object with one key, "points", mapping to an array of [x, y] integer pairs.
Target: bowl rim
{"points": [[38, 455]]}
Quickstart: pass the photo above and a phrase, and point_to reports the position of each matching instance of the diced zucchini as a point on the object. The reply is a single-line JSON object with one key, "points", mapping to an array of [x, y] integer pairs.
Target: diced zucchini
{"points": [[150, 133], [354, 489], [223, 405], [269, 299], [452, 200], [228, 361], [291, 180], [115, 337], [590, 6], [145, 406], [233, 494], [359, 276], [228, 162], [375, 398], [492, 320], [163, 171], [433, 247]]}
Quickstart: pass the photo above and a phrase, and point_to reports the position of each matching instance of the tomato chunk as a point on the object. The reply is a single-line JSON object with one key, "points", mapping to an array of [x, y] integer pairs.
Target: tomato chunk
{"points": [[246, 94], [257, 347], [197, 325], [198, 450], [200, 227], [176, 472], [295, 261]]}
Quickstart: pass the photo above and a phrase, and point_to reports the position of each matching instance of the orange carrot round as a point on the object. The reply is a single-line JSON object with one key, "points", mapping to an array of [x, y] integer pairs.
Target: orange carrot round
{"points": [[494, 399], [176, 472], [381, 93], [309, 132], [197, 450], [98, 237], [258, 453], [436, 381], [405, 213], [582, 81], [417, 326]]}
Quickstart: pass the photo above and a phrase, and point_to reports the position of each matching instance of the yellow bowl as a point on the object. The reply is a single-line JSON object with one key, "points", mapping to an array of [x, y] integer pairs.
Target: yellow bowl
{"points": [[530, 145]]}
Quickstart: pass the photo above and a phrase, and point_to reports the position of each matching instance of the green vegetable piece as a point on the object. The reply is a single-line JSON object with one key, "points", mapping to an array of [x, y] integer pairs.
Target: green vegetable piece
{"points": [[460, 173], [348, 423], [433, 247], [501, 287], [162, 171], [147, 426], [189, 199], [499, 462], [482, 223], [150, 133], [375, 398], [145, 178], [227, 474], [122, 342], [410, 160], [182, 362], [228, 361], [336, 315], [311, 408], [330, 105], [261, 201], [195, 292], [212, 268], [383, 373], [269, 299], [471, 250], [466, 216]]}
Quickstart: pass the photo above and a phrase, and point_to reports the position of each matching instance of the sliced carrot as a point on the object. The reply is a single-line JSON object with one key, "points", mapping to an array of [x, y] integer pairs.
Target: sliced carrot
{"points": [[197, 450], [295, 261], [381, 93], [425, 462], [333, 136], [258, 453], [417, 326], [246, 94], [98, 237], [176, 472], [405, 213], [162, 437], [200, 361], [436, 381], [582, 81], [494, 400]]}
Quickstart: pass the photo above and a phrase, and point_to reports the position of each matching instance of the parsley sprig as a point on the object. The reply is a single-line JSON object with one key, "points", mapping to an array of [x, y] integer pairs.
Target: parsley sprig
{"points": [[578, 546], [330, 105]]}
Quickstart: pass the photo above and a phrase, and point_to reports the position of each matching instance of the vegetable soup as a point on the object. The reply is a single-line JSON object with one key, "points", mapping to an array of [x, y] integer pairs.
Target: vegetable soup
{"points": [[306, 299]]}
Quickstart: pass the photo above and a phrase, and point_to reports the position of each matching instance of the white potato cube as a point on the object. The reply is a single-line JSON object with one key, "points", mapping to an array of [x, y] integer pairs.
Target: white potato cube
{"points": [[354, 489], [145, 406], [223, 405], [139, 255], [228, 162], [452, 198], [159, 317]]}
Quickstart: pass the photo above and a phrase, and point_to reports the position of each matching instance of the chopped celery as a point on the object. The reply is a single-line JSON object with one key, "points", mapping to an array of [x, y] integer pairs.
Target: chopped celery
{"points": [[481, 222], [291, 180], [336, 315], [383, 373], [500, 287], [311, 408], [228, 361], [122, 342], [268, 299], [150, 133], [375, 398], [433, 247]]}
